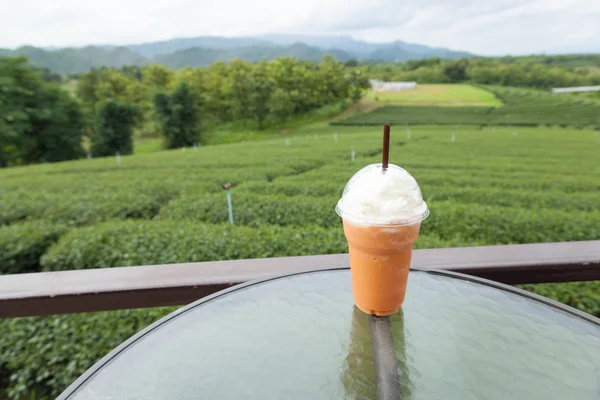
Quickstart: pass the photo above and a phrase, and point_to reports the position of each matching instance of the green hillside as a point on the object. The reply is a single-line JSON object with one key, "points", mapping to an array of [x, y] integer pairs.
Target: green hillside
{"points": [[454, 95], [522, 107], [200, 57], [485, 187], [72, 60]]}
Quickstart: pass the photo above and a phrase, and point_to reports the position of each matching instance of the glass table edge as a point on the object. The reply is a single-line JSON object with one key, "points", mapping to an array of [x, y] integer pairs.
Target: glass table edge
{"points": [[486, 282]]}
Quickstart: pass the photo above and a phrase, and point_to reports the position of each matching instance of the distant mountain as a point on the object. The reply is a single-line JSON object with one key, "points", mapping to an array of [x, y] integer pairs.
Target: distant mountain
{"points": [[357, 48], [208, 42], [204, 50], [400, 51], [390, 54], [198, 56], [69, 60], [391, 51]]}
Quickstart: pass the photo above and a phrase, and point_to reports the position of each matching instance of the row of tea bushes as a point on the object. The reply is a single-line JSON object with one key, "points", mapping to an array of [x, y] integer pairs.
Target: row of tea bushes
{"points": [[22, 245]]}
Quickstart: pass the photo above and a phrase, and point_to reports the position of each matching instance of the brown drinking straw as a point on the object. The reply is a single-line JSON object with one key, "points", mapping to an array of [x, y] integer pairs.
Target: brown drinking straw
{"points": [[385, 154]]}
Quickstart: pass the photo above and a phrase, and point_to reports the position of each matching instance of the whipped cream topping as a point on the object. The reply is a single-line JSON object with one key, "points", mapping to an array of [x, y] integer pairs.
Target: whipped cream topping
{"points": [[374, 197]]}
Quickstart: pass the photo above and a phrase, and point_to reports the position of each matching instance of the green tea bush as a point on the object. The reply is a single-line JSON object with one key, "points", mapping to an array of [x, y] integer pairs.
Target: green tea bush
{"points": [[46, 354], [126, 243], [255, 210], [516, 198], [80, 209], [503, 225], [525, 182], [114, 244], [75, 199], [290, 187], [582, 295], [22, 245]]}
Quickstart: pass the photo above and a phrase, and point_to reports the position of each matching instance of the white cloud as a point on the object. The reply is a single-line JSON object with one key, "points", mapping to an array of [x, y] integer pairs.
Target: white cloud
{"points": [[485, 27]]}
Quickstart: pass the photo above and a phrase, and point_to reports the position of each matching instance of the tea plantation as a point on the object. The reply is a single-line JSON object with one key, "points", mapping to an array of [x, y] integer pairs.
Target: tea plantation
{"points": [[487, 186], [522, 107]]}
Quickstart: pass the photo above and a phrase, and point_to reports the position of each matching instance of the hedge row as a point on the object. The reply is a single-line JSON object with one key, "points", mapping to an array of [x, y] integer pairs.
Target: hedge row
{"points": [[516, 198], [493, 196], [80, 209], [126, 243], [46, 354], [22, 245], [254, 210], [485, 223], [525, 182], [542, 108], [77, 199], [290, 187], [284, 230], [503, 225], [496, 174]]}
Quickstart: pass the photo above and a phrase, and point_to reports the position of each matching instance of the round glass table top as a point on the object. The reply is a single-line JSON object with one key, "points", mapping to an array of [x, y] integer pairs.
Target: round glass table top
{"points": [[301, 337]]}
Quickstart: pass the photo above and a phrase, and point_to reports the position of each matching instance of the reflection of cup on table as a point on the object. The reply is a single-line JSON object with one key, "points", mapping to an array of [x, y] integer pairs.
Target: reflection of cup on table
{"points": [[382, 209], [358, 374], [362, 375]]}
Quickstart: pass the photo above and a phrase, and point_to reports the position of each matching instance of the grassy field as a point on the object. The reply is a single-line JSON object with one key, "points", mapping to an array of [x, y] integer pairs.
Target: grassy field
{"points": [[522, 107], [484, 187], [224, 133], [437, 95]]}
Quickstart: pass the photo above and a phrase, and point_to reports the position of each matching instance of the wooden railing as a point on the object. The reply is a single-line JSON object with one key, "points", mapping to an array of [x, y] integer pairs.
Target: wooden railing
{"points": [[175, 284]]}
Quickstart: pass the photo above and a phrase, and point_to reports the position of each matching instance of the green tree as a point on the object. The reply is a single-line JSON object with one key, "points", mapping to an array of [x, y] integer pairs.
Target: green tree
{"points": [[335, 86], [179, 116], [86, 88], [195, 77], [281, 105], [261, 90], [456, 71], [238, 89], [55, 129], [98, 86], [358, 83], [426, 62], [40, 122], [115, 86], [218, 103], [115, 128], [18, 85], [157, 76], [49, 76], [132, 71]]}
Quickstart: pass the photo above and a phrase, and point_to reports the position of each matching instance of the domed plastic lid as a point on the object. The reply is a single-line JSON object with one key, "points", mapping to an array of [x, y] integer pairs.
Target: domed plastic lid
{"points": [[377, 197]]}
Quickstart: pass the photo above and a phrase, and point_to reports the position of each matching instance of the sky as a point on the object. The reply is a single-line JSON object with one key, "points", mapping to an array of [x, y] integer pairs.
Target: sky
{"points": [[487, 27]]}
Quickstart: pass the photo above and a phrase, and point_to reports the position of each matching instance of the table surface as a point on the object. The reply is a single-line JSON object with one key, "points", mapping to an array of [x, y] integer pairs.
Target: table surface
{"points": [[300, 337]]}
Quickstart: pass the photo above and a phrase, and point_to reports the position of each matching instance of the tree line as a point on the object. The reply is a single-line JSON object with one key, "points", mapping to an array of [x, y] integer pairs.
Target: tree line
{"points": [[534, 72], [40, 121]]}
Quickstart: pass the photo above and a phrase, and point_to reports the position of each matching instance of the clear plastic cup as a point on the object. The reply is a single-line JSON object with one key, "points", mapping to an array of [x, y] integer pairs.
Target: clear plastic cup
{"points": [[382, 213]]}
